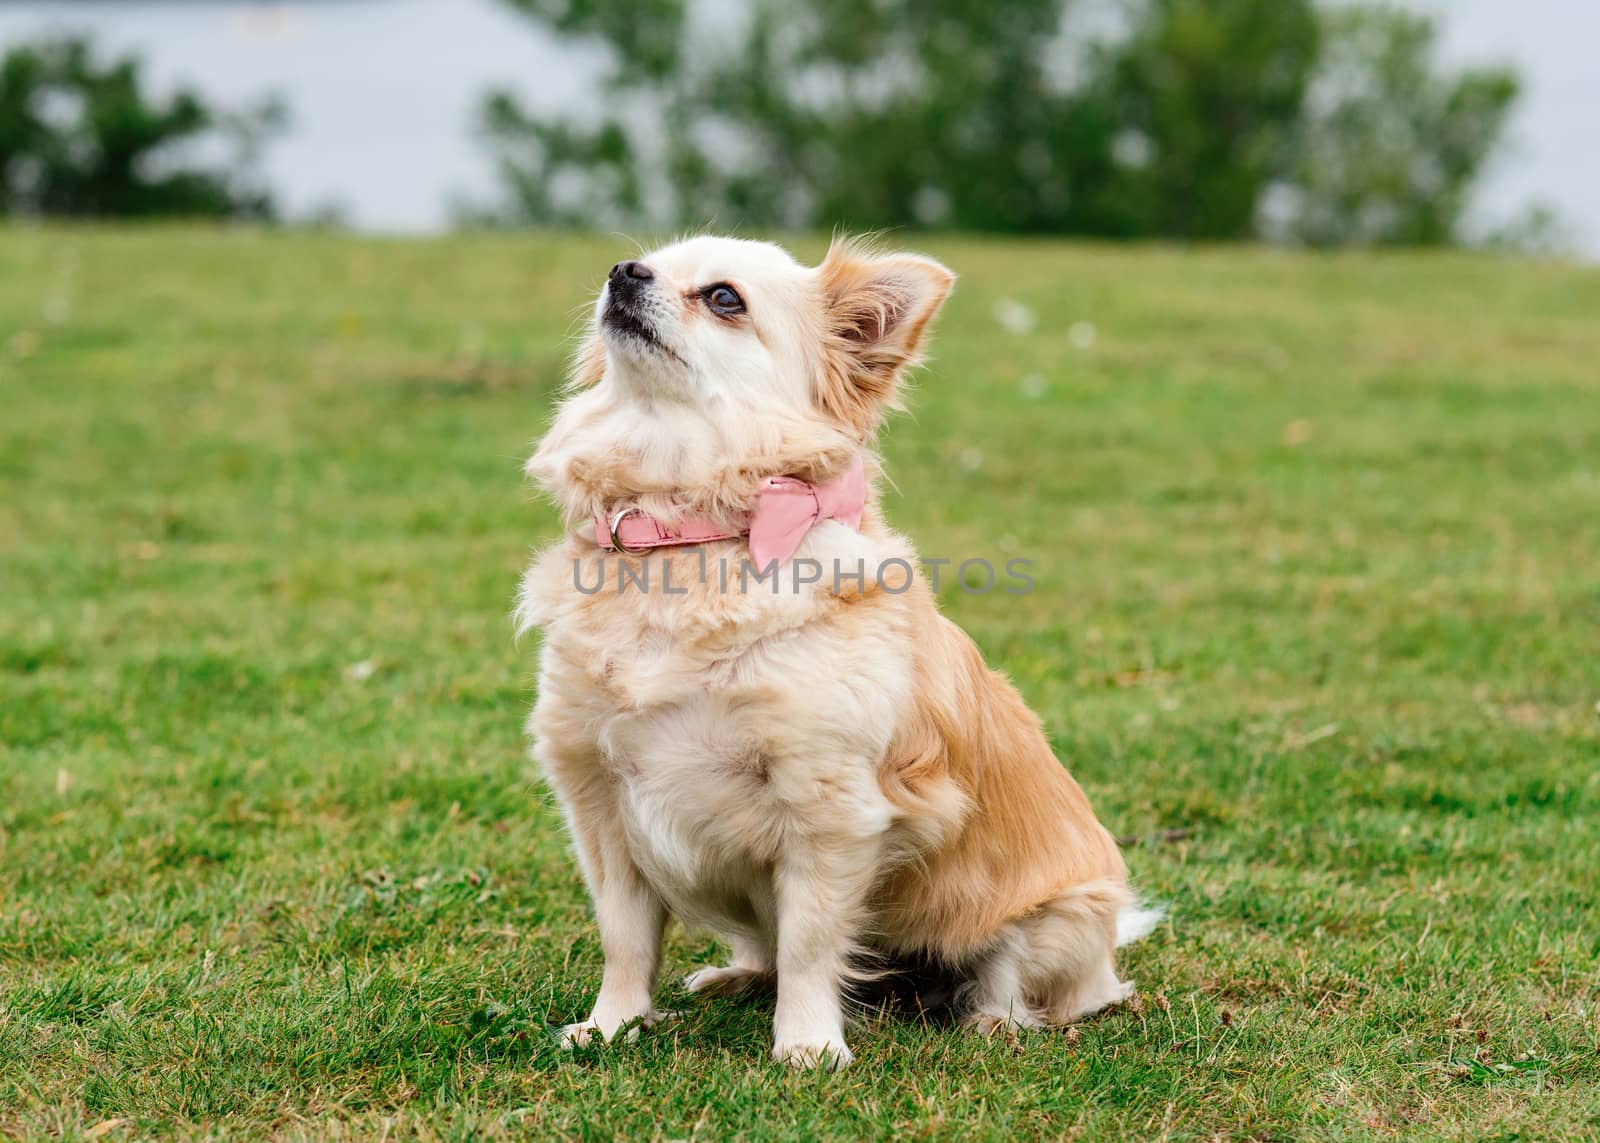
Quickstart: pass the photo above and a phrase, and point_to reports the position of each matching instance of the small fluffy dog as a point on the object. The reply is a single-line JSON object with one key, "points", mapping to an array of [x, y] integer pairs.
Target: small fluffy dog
{"points": [[816, 766]]}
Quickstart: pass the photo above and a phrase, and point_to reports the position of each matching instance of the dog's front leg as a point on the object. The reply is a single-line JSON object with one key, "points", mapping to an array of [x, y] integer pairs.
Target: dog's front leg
{"points": [[630, 914], [822, 884], [631, 919]]}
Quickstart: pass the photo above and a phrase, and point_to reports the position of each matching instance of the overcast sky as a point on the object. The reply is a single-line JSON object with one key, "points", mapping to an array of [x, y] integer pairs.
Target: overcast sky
{"points": [[383, 93]]}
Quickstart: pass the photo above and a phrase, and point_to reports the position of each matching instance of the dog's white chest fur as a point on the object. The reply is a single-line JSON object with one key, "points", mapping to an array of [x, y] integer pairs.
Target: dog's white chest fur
{"points": [[725, 721], [703, 800]]}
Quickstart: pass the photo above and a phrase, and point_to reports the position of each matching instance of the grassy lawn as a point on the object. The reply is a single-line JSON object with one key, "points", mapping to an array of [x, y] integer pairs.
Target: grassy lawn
{"points": [[1317, 547]]}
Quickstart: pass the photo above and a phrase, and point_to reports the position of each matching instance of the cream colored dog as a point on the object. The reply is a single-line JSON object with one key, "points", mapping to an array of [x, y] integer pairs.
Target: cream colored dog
{"points": [[817, 767]]}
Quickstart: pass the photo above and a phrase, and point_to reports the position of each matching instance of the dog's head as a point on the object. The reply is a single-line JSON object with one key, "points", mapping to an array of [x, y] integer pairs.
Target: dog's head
{"points": [[739, 329]]}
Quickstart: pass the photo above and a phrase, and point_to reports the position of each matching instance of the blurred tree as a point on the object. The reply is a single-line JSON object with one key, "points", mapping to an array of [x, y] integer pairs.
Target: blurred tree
{"points": [[1207, 94], [81, 138], [1389, 146], [1176, 118]]}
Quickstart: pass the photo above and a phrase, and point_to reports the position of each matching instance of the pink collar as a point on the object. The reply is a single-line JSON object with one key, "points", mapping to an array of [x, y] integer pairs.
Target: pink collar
{"points": [[785, 509]]}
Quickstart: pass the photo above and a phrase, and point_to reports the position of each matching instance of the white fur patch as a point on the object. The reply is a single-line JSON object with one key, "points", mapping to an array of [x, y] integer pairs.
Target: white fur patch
{"points": [[1137, 921]]}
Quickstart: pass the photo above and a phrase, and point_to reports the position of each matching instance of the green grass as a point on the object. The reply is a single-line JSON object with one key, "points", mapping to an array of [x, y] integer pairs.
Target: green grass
{"points": [[1317, 544]]}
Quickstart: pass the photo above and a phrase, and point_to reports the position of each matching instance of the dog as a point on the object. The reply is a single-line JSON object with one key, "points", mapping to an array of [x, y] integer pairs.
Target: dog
{"points": [[826, 776]]}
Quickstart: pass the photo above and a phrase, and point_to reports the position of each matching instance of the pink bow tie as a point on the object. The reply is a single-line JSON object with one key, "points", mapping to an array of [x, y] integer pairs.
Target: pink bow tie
{"points": [[785, 509]]}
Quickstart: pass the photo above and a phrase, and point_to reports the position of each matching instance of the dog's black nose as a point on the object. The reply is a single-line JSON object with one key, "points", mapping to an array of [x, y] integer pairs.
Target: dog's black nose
{"points": [[630, 273]]}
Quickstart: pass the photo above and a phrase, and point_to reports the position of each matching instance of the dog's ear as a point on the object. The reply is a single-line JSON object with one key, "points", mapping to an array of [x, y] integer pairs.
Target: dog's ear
{"points": [[876, 310]]}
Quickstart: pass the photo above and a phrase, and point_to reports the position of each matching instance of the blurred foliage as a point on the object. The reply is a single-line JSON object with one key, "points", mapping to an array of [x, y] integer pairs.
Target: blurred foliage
{"points": [[1389, 146], [82, 138], [1195, 119]]}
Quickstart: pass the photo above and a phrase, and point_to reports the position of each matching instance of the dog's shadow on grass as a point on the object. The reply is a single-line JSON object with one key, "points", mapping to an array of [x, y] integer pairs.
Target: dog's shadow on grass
{"points": [[740, 1024]]}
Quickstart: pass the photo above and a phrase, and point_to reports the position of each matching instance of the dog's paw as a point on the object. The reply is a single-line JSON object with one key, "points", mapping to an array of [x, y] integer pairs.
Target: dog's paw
{"points": [[586, 1032], [982, 1023], [579, 1035], [829, 1054], [988, 1023], [725, 980]]}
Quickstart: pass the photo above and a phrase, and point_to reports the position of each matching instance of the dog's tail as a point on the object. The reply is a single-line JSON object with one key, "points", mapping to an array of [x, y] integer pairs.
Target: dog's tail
{"points": [[1137, 920]]}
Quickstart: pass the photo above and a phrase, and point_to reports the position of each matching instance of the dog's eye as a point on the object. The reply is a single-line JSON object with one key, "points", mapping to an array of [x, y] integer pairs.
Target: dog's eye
{"points": [[723, 299]]}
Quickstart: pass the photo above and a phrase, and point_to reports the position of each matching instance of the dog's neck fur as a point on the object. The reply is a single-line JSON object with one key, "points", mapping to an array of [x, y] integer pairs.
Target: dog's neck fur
{"points": [[608, 447]]}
